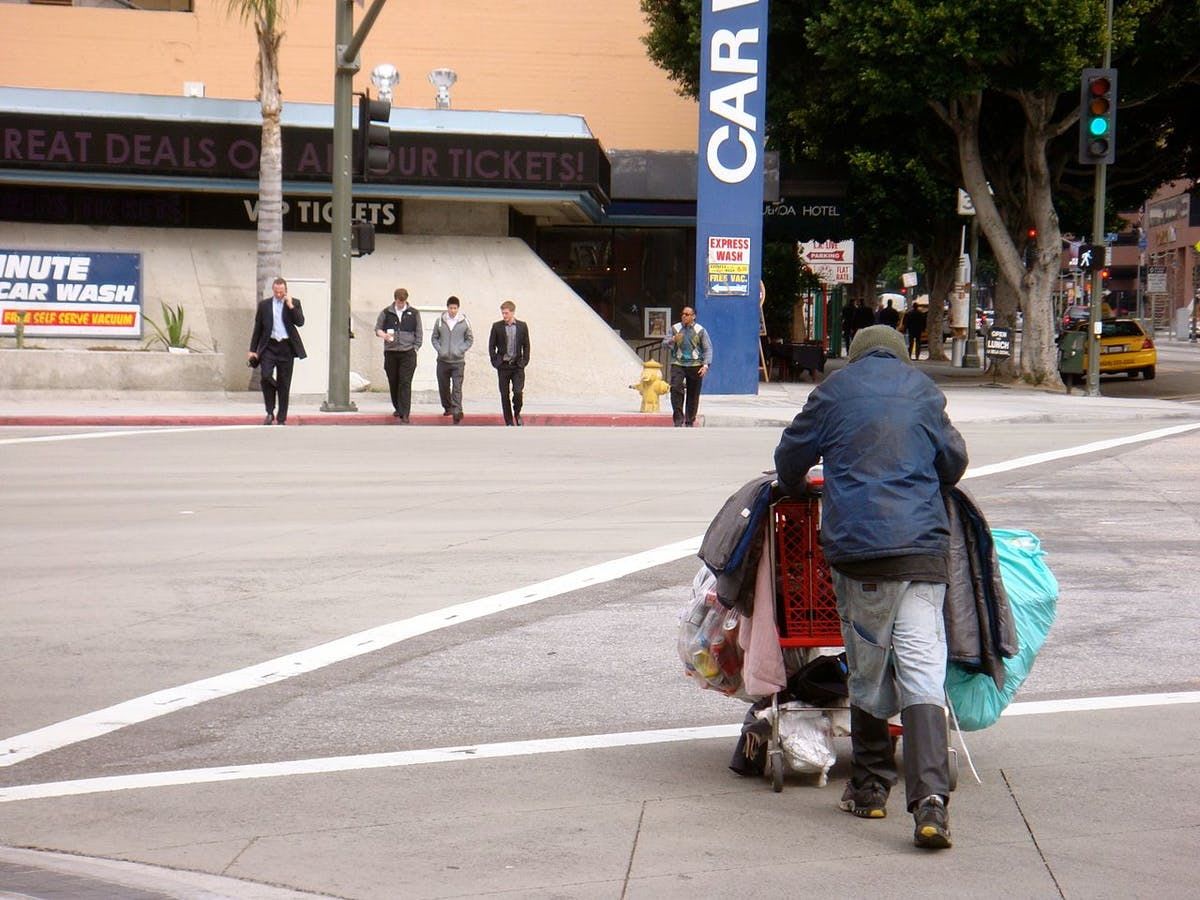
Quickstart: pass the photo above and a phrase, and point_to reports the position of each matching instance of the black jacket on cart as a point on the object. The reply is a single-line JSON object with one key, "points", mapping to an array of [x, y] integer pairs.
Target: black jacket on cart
{"points": [[980, 631], [732, 545]]}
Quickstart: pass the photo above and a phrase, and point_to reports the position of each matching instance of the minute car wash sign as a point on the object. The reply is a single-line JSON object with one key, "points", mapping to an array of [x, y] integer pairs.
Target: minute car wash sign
{"points": [[69, 293], [729, 190]]}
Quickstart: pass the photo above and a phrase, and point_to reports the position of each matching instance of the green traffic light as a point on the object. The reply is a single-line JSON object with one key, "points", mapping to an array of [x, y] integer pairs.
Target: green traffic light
{"points": [[1098, 126]]}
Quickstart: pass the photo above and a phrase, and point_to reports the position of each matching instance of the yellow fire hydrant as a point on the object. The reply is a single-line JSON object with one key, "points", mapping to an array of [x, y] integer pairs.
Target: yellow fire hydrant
{"points": [[651, 386]]}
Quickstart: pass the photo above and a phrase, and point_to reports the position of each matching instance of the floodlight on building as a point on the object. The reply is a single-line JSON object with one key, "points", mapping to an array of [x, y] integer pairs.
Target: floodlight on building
{"points": [[193, 89], [442, 79], [385, 77]]}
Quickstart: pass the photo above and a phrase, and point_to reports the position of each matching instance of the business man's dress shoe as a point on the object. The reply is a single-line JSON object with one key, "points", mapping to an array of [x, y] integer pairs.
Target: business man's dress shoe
{"points": [[270, 419], [457, 417], [520, 421]]}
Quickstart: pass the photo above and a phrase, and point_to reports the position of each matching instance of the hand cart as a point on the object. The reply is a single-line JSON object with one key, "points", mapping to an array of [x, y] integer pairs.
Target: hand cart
{"points": [[805, 604]]}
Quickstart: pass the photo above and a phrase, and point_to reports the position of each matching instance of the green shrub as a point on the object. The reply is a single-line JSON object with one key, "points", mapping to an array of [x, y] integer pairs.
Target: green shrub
{"points": [[172, 332]]}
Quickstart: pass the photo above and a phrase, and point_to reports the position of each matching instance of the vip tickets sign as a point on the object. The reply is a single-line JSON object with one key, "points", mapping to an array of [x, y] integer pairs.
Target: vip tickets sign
{"points": [[70, 293], [729, 188]]}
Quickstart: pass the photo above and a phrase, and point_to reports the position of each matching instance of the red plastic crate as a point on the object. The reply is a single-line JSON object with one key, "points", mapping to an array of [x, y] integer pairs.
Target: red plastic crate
{"points": [[805, 605]]}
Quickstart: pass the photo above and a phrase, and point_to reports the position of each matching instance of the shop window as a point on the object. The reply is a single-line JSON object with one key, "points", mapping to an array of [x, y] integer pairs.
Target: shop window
{"points": [[620, 272]]}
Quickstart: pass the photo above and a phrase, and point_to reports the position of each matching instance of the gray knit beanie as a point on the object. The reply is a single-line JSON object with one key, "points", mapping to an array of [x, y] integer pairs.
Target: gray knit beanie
{"points": [[878, 337]]}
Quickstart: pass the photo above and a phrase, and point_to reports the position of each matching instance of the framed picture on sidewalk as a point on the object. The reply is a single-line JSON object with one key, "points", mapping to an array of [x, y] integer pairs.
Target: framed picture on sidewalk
{"points": [[656, 321]]}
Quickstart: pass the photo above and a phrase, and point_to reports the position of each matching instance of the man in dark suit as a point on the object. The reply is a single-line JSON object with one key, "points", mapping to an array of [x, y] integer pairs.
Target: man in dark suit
{"points": [[275, 346], [508, 347]]}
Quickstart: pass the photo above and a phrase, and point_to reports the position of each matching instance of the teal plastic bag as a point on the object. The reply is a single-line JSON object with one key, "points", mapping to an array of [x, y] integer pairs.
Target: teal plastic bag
{"points": [[1033, 595]]}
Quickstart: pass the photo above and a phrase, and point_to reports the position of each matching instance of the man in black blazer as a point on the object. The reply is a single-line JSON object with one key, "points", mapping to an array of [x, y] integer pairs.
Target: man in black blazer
{"points": [[275, 345], [508, 347]]}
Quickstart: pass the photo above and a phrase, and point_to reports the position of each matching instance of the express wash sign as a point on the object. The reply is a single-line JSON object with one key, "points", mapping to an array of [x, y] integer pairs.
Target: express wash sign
{"points": [[729, 190]]}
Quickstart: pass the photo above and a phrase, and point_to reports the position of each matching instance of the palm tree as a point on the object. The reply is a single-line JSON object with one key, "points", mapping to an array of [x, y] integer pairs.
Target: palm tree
{"points": [[267, 17]]}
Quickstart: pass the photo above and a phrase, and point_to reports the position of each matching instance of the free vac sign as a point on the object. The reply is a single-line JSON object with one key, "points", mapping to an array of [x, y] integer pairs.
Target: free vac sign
{"points": [[729, 188], [71, 293]]}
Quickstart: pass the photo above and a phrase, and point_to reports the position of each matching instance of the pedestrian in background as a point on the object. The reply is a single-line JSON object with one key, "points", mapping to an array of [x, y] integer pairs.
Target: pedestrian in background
{"points": [[451, 339], [275, 346], [880, 429], [914, 327], [889, 315], [399, 325], [691, 352], [508, 347]]}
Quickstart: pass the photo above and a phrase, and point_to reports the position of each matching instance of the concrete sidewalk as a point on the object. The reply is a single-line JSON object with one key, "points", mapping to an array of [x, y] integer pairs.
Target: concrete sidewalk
{"points": [[971, 396], [1062, 811]]}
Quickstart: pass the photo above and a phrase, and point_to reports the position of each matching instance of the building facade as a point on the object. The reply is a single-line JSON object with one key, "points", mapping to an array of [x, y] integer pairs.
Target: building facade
{"points": [[172, 89]]}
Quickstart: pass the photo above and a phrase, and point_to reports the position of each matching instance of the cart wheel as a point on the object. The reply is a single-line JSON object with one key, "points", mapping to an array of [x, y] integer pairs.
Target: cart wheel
{"points": [[777, 771], [952, 768]]}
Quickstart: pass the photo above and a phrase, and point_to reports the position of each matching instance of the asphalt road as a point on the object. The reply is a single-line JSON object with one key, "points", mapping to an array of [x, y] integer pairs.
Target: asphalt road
{"points": [[1177, 376], [144, 561]]}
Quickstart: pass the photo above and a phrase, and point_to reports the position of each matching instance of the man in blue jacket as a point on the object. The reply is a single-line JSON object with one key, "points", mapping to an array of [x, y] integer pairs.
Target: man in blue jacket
{"points": [[887, 446]]}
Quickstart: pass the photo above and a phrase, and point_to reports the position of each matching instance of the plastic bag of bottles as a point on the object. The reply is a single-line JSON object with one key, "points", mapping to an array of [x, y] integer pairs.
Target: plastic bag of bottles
{"points": [[708, 638]]}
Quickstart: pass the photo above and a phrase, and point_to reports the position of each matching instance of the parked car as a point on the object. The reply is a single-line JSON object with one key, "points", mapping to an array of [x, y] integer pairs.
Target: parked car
{"points": [[1125, 346], [1074, 314], [984, 322]]}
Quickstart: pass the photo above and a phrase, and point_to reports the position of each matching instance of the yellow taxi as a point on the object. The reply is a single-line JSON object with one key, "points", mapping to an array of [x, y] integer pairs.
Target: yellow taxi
{"points": [[1124, 347]]}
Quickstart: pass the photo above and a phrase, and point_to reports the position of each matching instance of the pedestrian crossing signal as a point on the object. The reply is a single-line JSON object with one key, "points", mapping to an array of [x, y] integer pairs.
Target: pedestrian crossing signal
{"points": [[362, 238]]}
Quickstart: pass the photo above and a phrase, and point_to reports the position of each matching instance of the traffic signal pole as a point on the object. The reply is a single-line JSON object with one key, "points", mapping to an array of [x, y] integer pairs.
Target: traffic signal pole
{"points": [[1095, 309], [346, 46]]}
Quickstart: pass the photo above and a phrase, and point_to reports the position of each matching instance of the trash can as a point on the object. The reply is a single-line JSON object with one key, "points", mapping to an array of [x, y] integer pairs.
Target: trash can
{"points": [[1072, 355]]}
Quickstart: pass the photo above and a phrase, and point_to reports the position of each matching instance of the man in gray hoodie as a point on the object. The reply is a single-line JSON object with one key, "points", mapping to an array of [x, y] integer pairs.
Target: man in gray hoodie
{"points": [[400, 327], [452, 338]]}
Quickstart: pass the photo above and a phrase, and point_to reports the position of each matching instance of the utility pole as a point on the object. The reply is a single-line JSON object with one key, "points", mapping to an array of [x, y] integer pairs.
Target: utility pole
{"points": [[971, 357], [347, 43]]}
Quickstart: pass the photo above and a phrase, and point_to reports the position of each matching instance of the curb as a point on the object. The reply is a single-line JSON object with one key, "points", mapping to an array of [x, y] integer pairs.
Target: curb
{"points": [[587, 420]]}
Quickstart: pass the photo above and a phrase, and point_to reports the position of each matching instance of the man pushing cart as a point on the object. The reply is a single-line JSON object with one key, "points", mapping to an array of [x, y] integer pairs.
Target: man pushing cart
{"points": [[880, 428]]}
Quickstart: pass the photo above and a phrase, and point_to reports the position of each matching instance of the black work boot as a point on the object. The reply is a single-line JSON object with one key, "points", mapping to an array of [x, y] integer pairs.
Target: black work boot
{"points": [[872, 767], [926, 754], [927, 773]]}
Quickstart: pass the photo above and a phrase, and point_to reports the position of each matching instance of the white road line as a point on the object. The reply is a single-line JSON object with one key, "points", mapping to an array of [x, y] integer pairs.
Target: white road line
{"points": [[94, 435], [1094, 447], [502, 750], [33, 743], [94, 724]]}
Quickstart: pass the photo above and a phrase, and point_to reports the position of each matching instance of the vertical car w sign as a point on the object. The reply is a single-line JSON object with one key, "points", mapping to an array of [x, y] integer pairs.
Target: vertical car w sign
{"points": [[729, 188]]}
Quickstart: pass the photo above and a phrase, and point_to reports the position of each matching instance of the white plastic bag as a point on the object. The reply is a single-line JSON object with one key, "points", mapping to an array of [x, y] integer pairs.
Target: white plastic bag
{"points": [[806, 736]]}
